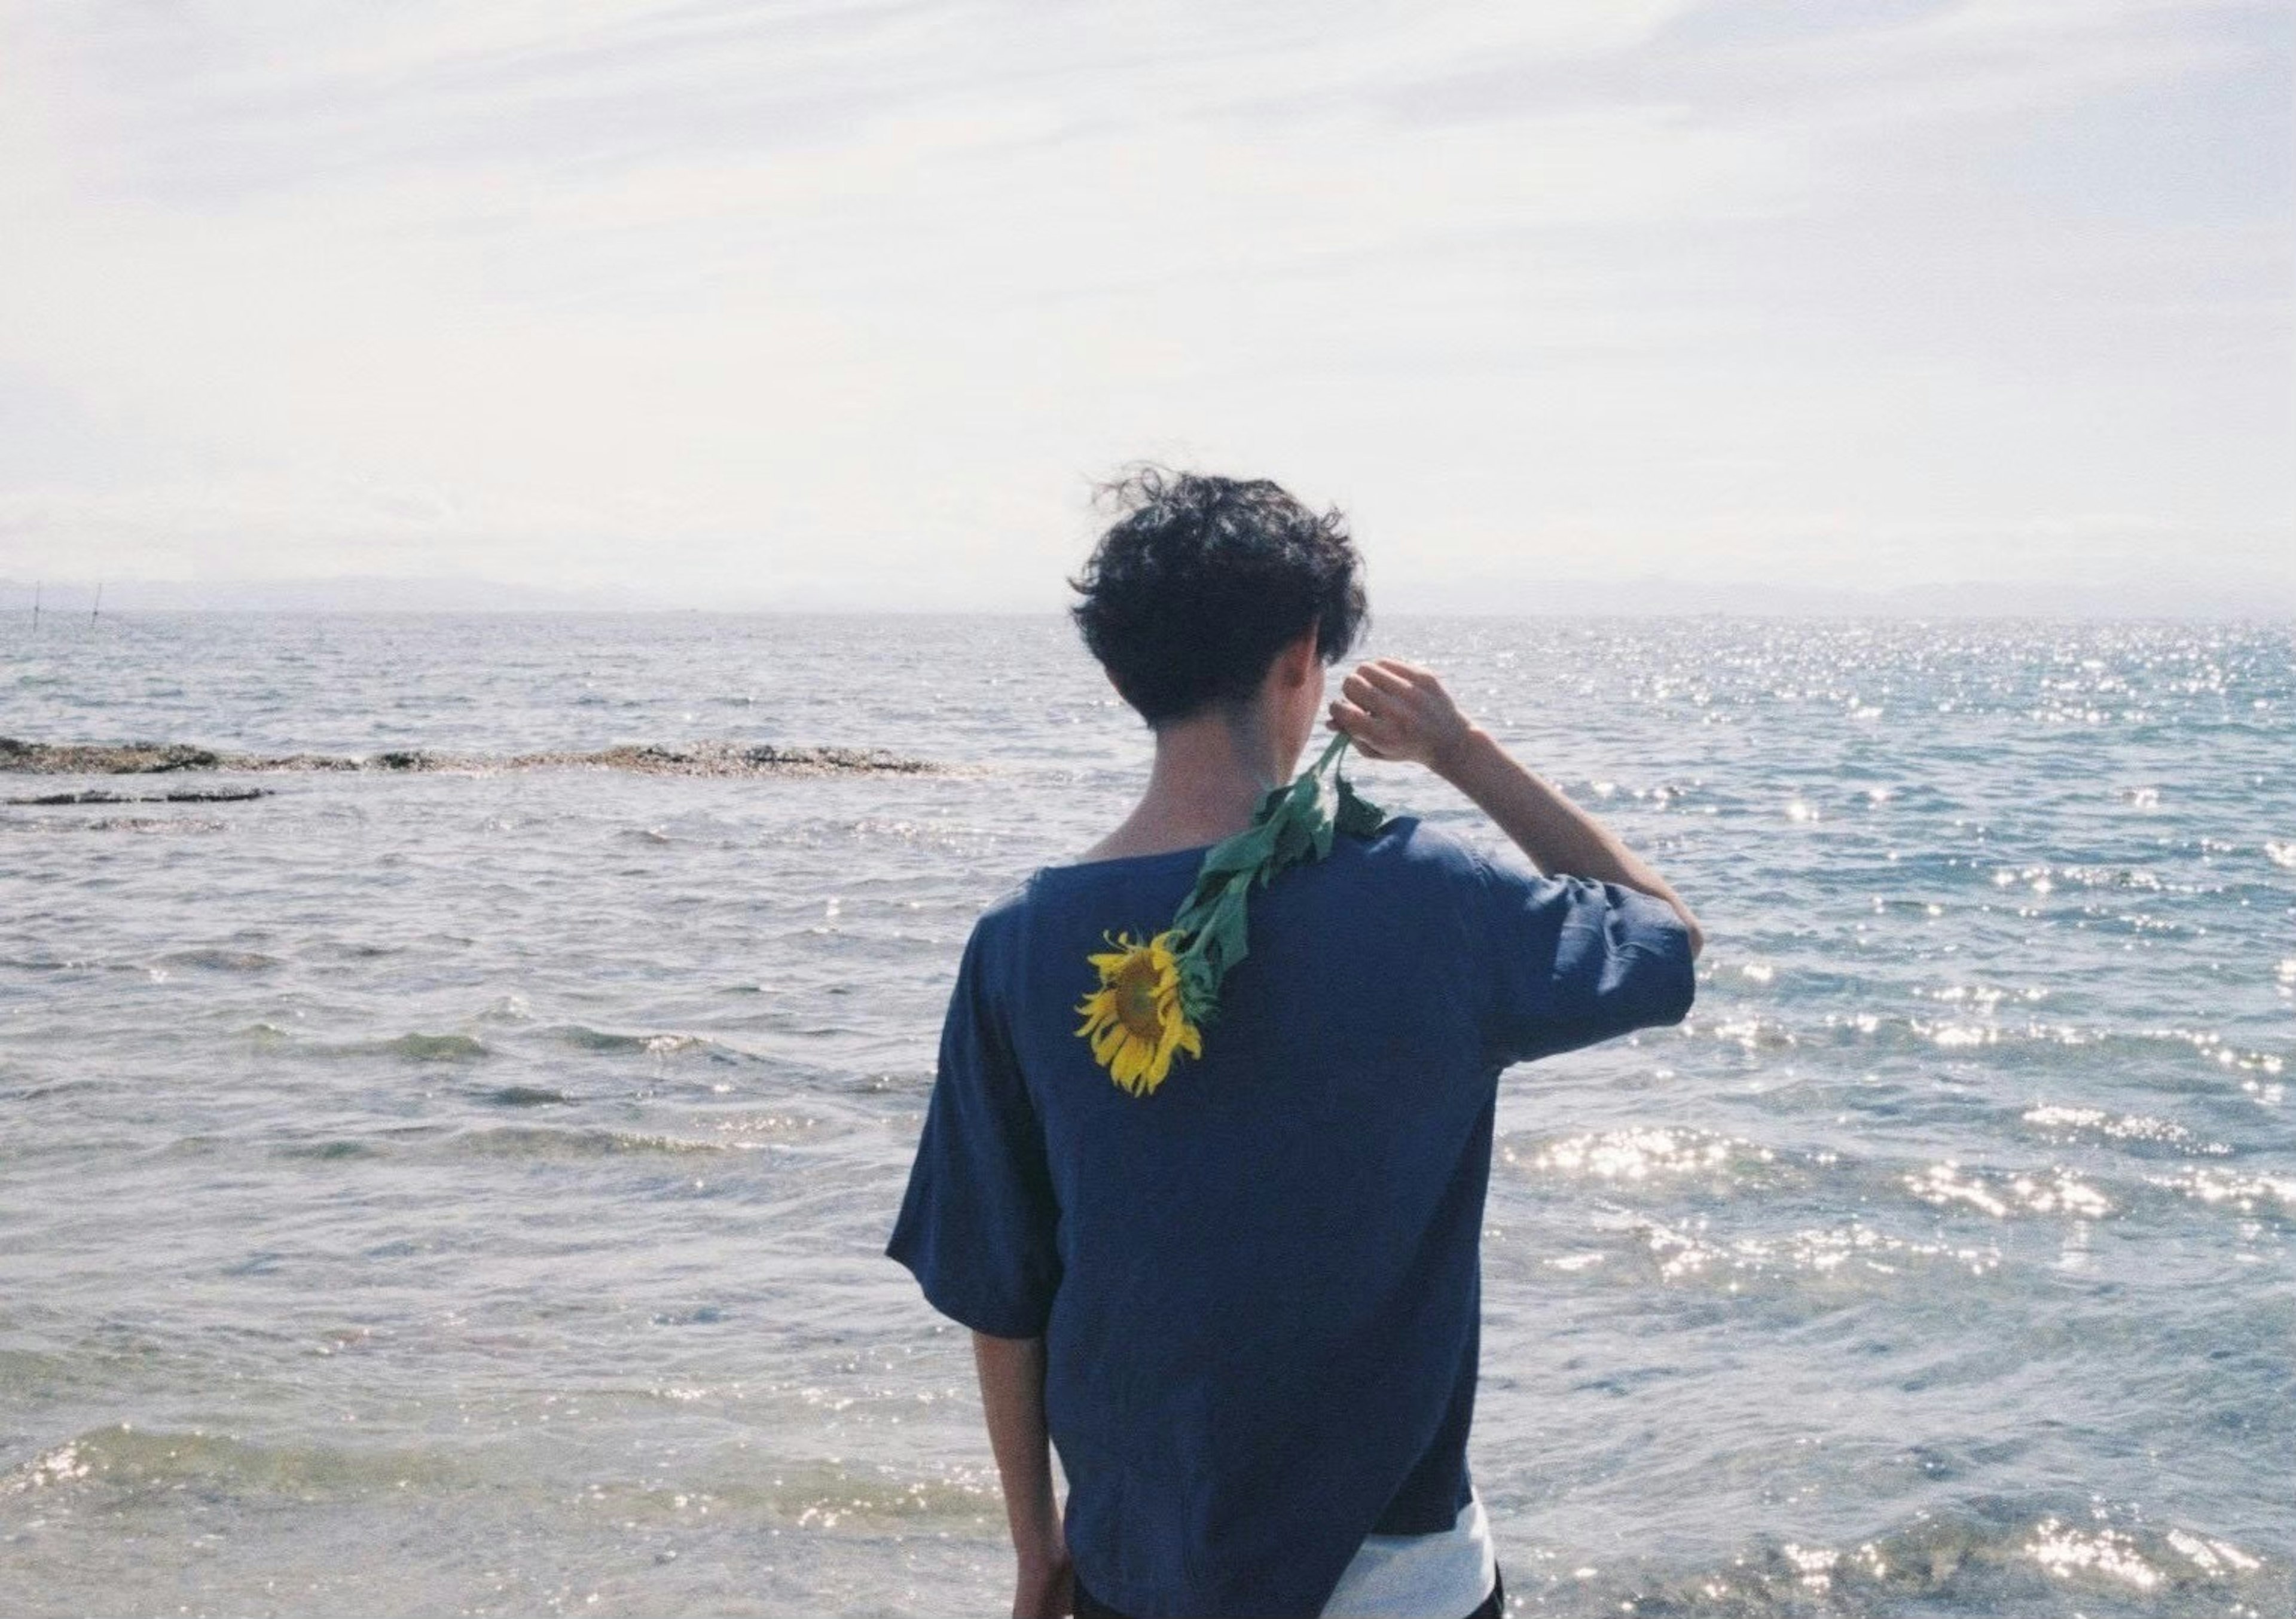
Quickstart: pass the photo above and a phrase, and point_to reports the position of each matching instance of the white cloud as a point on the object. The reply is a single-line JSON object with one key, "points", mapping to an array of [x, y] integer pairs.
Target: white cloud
{"points": [[718, 300]]}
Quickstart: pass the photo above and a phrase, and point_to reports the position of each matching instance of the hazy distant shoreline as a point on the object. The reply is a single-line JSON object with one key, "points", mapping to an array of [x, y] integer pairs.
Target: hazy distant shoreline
{"points": [[2240, 599]]}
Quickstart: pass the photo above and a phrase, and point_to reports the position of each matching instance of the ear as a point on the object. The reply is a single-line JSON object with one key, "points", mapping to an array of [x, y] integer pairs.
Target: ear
{"points": [[1299, 659]]}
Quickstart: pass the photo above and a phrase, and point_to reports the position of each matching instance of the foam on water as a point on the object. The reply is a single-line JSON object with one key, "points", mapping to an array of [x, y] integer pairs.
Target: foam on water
{"points": [[498, 1162]]}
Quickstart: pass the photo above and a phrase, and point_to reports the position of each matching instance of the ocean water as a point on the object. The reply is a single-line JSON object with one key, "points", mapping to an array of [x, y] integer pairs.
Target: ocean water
{"points": [[464, 1192]]}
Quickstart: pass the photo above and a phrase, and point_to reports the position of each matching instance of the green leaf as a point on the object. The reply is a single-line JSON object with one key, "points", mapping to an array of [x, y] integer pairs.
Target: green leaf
{"points": [[1296, 832], [1357, 816], [1226, 935], [1239, 851], [1294, 821], [1199, 991]]}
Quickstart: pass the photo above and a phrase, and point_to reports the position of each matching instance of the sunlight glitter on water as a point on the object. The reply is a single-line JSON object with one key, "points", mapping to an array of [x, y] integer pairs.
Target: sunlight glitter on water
{"points": [[2055, 1192], [2068, 1123], [2066, 1552], [509, 1155], [1638, 1155], [1684, 1251]]}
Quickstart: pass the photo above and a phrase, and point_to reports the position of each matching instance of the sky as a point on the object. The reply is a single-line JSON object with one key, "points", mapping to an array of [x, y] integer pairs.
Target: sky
{"points": [[1592, 302]]}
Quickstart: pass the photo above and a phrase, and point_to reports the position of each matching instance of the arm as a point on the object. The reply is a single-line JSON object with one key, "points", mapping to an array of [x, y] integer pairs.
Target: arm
{"points": [[1396, 710], [1013, 1399]]}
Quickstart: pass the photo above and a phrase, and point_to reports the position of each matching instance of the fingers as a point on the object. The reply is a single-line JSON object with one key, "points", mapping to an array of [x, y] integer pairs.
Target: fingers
{"points": [[1386, 679], [1359, 724], [1369, 699], [1367, 686], [1394, 674]]}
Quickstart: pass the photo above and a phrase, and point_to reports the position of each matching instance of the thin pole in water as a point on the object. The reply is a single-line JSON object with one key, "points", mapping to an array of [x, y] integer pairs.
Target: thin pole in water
{"points": [[98, 608], [35, 607]]}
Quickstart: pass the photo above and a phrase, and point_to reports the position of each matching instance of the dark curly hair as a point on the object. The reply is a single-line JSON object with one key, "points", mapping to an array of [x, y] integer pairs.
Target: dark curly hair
{"points": [[1194, 589]]}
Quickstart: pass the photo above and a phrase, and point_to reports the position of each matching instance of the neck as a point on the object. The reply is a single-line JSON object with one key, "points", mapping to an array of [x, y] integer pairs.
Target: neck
{"points": [[1210, 773]]}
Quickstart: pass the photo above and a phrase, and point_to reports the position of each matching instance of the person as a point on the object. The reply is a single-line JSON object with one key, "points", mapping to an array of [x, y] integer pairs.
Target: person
{"points": [[1242, 1305]]}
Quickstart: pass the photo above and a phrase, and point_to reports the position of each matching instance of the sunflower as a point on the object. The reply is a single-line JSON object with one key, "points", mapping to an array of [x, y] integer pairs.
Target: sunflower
{"points": [[1156, 997], [1134, 1019]]}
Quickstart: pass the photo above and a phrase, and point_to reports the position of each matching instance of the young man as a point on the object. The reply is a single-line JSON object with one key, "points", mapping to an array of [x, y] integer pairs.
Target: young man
{"points": [[1244, 1302]]}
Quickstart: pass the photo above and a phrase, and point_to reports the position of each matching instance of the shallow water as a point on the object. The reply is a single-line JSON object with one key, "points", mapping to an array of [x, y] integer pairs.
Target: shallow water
{"points": [[466, 1192]]}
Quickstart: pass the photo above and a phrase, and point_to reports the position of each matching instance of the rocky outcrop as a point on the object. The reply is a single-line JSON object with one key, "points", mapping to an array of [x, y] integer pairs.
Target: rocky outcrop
{"points": [[198, 795], [693, 760]]}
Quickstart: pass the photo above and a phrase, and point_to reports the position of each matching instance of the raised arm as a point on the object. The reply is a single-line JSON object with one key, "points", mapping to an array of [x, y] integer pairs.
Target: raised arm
{"points": [[1013, 1400], [1398, 710]]}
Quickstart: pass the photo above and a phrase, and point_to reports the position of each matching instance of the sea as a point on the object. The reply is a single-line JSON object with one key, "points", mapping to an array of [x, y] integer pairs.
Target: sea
{"points": [[463, 1192]]}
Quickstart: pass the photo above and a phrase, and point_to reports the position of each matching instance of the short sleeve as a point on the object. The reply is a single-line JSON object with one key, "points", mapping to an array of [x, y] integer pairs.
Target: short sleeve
{"points": [[977, 1223], [1567, 961]]}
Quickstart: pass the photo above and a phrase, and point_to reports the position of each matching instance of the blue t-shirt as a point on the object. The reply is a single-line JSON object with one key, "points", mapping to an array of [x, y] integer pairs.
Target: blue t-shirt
{"points": [[1259, 1284]]}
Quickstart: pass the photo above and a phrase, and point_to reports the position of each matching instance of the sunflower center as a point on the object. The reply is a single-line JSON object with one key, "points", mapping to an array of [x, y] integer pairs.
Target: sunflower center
{"points": [[1136, 999]]}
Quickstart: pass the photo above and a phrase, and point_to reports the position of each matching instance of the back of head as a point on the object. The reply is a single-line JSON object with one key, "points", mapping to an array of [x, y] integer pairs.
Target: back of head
{"points": [[1200, 582]]}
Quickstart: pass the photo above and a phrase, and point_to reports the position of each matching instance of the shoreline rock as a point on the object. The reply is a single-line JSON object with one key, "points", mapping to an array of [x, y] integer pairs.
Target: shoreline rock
{"points": [[693, 760], [219, 794]]}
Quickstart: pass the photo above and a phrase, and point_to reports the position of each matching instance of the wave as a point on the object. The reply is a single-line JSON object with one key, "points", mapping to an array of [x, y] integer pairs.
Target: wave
{"points": [[171, 825], [123, 1461], [326, 1151], [526, 1096], [2031, 1043], [218, 960], [1674, 1159], [421, 1046], [1966, 1552], [1681, 1205], [705, 758], [414, 1047], [122, 1457], [711, 1133], [541, 1141], [583, 1038], [42, 1089], [1979, 1554]]}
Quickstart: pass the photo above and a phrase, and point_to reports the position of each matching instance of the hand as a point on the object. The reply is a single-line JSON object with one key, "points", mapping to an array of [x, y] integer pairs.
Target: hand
{"points": [[1045, 1587], [1398, 710]]}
